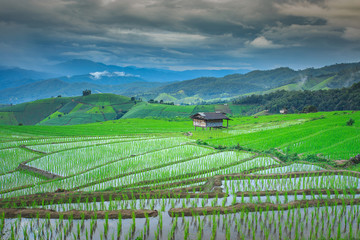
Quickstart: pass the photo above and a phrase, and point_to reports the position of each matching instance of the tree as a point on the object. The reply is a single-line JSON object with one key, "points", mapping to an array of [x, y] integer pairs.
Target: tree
{"points": [[350, 122], [309, 109], [161, 101], [86, 92]]}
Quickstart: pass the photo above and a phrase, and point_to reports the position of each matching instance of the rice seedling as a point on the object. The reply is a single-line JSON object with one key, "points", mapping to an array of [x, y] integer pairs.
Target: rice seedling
{"points": [[49, 148], [79, 159], [158, 176], [11, 158]]}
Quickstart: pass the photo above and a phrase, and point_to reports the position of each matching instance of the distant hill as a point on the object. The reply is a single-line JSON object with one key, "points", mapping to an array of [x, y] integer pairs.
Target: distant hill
{"points": [[103, 107], [82, 67], [130, 81], [104, 78], [153, 110], [230, 85], [298, 101], [259, 82], [67, 110], [99, 108], [54, 87], [15, 77], [87, 73]]}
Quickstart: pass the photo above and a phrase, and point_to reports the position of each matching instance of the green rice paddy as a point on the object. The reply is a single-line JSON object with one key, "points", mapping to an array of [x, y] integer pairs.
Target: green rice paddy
{"points": [[270, 177]]}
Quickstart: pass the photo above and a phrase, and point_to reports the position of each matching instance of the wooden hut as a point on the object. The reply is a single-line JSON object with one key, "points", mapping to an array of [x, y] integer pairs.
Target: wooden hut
{"points": [[284, 111], [209, 120]]}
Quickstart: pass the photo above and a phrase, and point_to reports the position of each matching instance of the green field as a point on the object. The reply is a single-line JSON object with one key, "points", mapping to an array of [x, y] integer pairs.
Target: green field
{"points": [[265, 177], [67, 110], [101, 108], [153, 110]]}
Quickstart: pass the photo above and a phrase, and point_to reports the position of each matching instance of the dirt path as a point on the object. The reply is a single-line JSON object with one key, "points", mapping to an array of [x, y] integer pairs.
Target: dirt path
{"points": [[74, 214], [279, 151], [254, 207], [77, 197], [290, 175], [38, 171], [31, 150], [212, 183], [299, 192]]}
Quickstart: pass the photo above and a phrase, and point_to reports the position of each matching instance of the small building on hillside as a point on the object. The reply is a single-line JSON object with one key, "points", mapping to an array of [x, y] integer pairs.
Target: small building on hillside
{"points": [[209, 120], [284, 111]]}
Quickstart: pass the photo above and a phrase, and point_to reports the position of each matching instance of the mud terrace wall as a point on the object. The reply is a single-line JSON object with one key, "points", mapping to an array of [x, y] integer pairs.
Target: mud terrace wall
{"points": [[46, 174]]}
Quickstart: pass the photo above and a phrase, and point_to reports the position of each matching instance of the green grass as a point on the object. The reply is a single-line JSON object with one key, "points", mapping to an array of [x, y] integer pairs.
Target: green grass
{"points": [[69, 107], [11, 158], [165, 97], [54, 115], [150, 160], [114, 127], [153, 110], [148, 110], [328, 134], [155, 153], [104, 99], [324, 132], [122, 107], [202, 164], [203, 108], [76, 160], [238, 110], [322, 85], [46, 111], [16, 179], [33, 112], [75, 118], [8, 118], [78, 107], [102, 107], [129, 154]]}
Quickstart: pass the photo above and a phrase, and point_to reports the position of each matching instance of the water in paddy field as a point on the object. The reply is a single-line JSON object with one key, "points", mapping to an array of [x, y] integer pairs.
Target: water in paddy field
{"points": [[291, 168], [285, 184], [312, 223], [167, 204]]}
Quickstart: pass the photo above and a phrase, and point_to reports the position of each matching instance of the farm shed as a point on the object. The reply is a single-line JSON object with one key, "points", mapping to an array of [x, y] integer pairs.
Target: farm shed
{"points": [[209, 120], [284, 111]]}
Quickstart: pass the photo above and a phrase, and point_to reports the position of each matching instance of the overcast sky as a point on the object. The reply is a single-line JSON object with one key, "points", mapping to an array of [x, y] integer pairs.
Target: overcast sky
{"points": [[181, 34]]}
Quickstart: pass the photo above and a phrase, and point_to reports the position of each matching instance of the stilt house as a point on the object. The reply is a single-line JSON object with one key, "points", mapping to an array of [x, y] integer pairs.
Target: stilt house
{"points": [[209, 120]]}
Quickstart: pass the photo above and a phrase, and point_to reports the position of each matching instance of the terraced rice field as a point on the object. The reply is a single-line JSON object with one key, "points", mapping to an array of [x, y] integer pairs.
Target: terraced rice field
{"points": [[166, 186]]}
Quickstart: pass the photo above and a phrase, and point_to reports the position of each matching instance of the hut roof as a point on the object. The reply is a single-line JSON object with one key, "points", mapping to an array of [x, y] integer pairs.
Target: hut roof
{"points": [[209, 116]]}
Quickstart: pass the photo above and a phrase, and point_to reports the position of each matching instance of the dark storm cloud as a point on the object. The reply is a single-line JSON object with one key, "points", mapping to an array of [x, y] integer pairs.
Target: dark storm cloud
{"points": [[174, 33]]}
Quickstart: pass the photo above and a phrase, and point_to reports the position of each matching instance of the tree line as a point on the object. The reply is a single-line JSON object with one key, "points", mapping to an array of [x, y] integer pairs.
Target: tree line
{"points": [[296, 101]]}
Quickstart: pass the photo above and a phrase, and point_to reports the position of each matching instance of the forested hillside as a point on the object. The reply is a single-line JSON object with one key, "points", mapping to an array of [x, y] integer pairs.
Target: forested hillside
{"points": [[259, 82], [296, 101]]}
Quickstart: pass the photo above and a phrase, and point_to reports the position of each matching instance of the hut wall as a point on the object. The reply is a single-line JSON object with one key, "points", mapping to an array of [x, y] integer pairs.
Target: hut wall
{"points": [[214, 123], [199, 123]]}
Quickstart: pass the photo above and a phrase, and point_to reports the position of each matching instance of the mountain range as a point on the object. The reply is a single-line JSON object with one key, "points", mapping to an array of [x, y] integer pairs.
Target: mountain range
{"points": [[81, 67], [261, 82], [72, 77]]}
